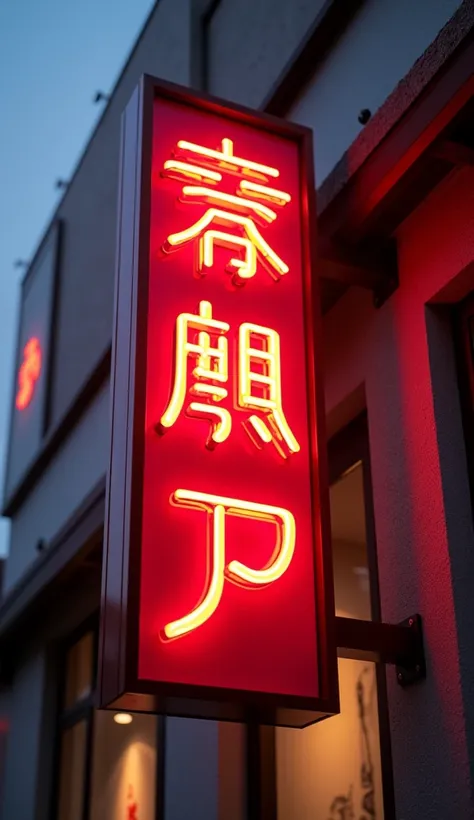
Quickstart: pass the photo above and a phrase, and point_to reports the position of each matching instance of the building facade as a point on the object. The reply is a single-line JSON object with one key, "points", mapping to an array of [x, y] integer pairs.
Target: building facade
{"points": [[387, 89]]}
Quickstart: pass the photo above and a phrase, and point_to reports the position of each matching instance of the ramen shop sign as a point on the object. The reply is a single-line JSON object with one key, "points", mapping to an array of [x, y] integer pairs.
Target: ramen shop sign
{"points": [[217, 593]]}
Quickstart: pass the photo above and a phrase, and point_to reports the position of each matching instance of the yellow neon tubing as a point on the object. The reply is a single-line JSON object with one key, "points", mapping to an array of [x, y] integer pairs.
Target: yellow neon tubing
{"points": [[219, 198], [254, 189], [189, 170], [182, 349], [271, 357], [226, 218], [220, 430], [280, 560], [236, 571], [285, 430], [249, 509], [227, 156], [261, 429], [245, 269], [209, 604], [213, 390]]}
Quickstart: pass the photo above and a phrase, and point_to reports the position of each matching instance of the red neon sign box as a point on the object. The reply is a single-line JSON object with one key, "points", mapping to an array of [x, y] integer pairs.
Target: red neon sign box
{"points": [[217, 583]]}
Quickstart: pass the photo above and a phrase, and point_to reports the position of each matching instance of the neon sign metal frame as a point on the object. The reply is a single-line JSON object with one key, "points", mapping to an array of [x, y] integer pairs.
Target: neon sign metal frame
{"points": [[120, 686]]}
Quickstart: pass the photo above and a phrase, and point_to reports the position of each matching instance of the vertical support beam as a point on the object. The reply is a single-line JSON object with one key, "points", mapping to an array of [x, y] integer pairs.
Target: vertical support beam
{"points": [[191, 769], [160, 767], [202, 13], [261, 772]]}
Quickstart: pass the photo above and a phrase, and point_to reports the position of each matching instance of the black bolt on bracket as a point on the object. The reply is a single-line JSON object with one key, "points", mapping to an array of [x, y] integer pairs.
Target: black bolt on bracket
{"points": [[412, 668]]}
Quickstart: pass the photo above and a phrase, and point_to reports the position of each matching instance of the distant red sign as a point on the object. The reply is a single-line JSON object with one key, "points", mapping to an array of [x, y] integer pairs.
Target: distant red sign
{"points": [[29, 373], [217, 501], [132, 805]]}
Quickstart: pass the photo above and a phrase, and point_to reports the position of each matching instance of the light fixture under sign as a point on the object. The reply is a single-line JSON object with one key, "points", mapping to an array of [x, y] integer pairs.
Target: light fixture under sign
{"points": [[123, 718]]}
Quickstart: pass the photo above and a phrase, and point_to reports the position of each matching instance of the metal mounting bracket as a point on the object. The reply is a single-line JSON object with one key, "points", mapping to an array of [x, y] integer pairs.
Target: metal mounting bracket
{"points": [[397, 644]]}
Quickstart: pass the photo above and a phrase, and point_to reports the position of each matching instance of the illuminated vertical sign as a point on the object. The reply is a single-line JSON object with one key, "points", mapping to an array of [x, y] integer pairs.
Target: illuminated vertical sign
{"points": [[217, 590]]}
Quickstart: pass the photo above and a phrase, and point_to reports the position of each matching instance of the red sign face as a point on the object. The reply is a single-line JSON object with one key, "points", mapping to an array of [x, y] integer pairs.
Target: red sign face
{"points": [[231, 575]]}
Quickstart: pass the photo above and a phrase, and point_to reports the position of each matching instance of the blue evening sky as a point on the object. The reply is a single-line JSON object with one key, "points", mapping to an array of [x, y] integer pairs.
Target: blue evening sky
{"points": [[54, 54]]}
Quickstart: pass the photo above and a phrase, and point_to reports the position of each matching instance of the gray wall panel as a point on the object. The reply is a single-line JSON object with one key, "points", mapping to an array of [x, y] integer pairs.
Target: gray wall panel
{"points": [[78, 466], [250, 42]]}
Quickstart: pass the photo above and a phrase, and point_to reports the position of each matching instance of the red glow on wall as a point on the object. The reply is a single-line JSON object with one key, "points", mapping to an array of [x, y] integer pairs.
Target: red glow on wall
{"points": [[28, 373]]}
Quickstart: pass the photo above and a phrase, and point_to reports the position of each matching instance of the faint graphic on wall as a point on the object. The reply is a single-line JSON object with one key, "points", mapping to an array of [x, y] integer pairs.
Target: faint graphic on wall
{"points": [[124, 768], [342, 807], [132, 805]]}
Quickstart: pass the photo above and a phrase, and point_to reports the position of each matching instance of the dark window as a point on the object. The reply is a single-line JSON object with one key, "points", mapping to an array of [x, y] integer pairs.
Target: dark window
{"points": [[73, 771], [107, 761], [75, 728]]}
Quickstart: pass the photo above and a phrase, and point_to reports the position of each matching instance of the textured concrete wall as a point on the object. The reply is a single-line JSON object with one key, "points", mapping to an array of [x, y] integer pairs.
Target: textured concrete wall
{"points": [[371, 57], [402, 355]]}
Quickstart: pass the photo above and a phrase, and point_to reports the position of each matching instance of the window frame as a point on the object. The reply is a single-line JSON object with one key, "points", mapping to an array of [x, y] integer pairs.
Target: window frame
{"points": [[346, 448], [85, 709], [81, 710], [462, 319]]}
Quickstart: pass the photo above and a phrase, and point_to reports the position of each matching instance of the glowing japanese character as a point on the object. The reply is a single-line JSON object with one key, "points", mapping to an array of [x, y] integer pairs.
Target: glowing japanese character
{"points": [[234, 214], [260, 387], [217, 507], [211, 367], [259, 381]]}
